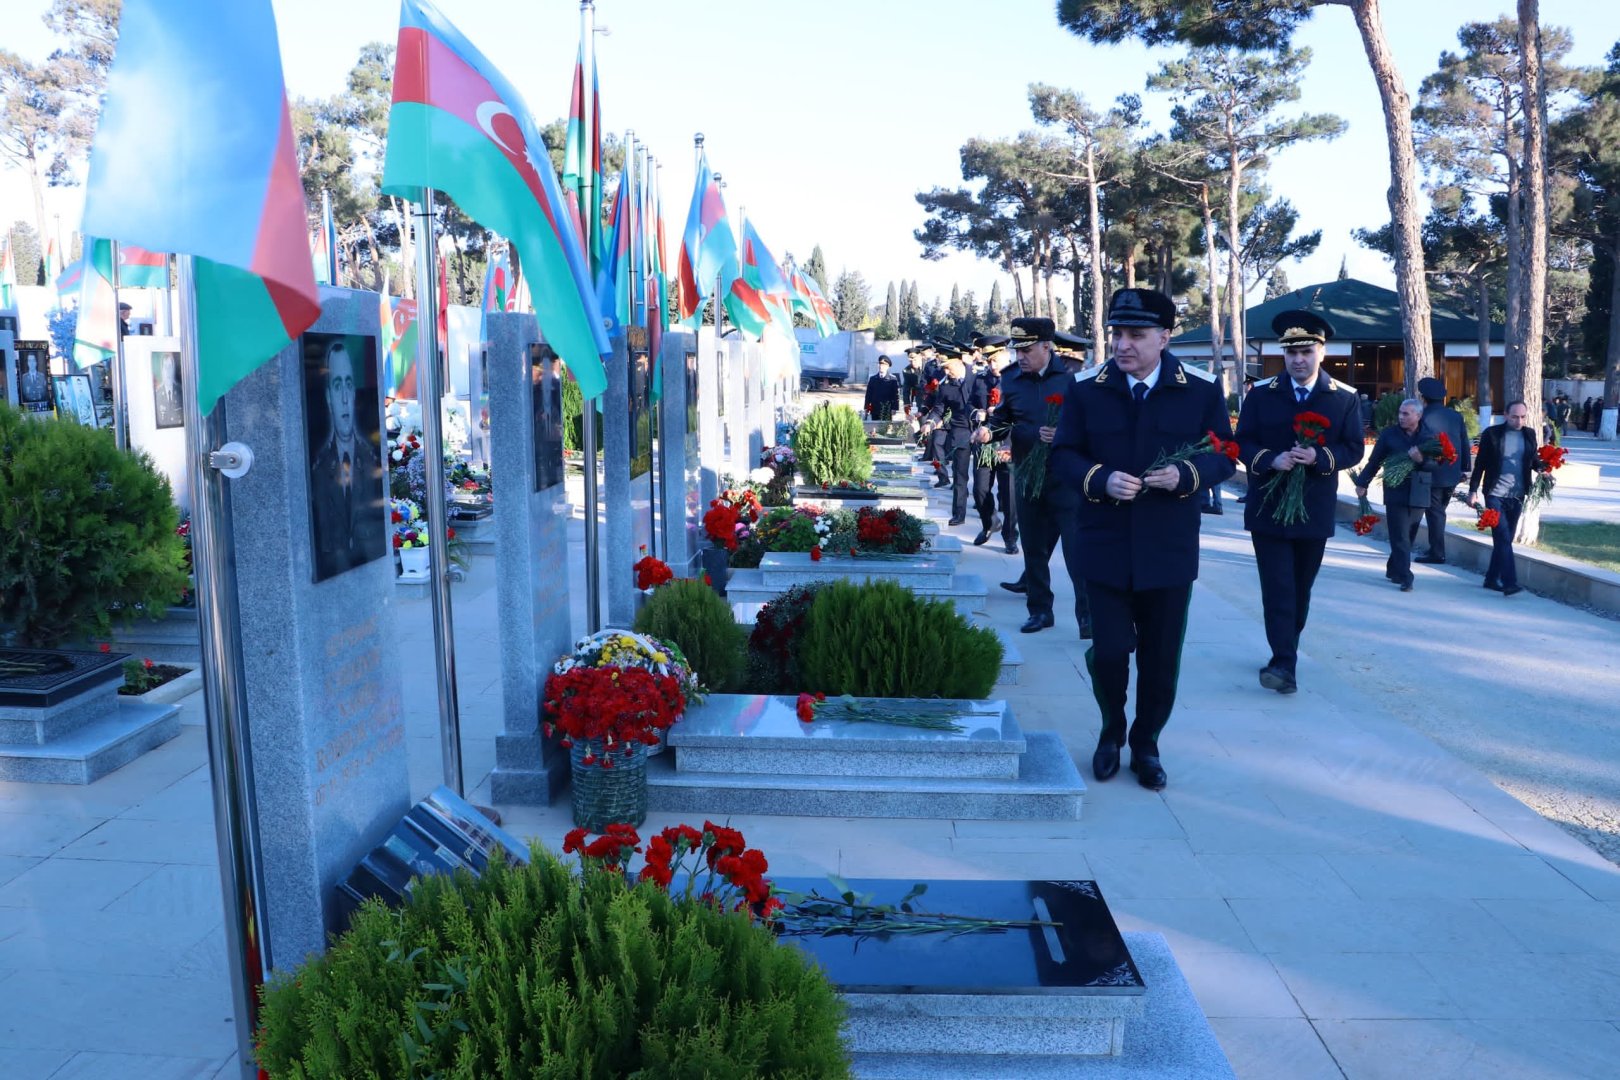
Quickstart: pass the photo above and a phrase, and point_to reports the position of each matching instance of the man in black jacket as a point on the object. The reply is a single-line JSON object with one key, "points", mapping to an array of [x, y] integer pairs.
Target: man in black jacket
{"points": [[1138, 524], [882, 393], [1439, 419], [1405, 502], [1507, 458], [911, 379], [1289, 555], [957, 408]]}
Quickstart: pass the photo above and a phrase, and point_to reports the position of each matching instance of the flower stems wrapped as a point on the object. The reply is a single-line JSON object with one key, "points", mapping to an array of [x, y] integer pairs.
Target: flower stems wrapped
{"points": [[1287, 489], [1031, 472]]}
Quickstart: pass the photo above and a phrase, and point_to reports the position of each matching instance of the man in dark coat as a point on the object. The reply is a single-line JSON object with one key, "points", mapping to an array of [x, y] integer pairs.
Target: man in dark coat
{"points": [[1507, 459], [957, 409], [1289, 555], [882, 393], [911, 379], [1405, 502], [1138, 524], [1439, 419], [992, 455]]}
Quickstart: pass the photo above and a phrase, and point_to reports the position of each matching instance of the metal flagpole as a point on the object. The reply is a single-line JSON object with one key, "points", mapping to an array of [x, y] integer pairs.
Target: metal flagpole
{"points": [[429, 365], [120, 391], [230, 754], [587, 412]]}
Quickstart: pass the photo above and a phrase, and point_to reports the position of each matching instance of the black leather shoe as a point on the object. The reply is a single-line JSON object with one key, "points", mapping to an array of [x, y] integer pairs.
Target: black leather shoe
{"points": [[957, 521], [1085, 629], [1015, 587], [1411, 579], [982, 538], [1494, 587], [1105, 762], [1512, 590], [1149, 773], [1275, 678], [1036, 623], [1210, 510], [1430, 560], [942, 482], [1012, 549]]}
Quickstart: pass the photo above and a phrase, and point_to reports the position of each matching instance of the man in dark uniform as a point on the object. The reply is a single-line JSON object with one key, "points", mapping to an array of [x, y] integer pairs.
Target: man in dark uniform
{"points": [[911, 380], [882, 393], [1070, 350], [1288, 556], [1138, 525], [1054, 515], [958, 407], [992, 471], [1439, 419]]}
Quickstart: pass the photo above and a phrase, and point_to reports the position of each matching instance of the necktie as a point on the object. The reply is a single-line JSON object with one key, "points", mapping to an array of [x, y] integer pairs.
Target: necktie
{"points": [[1301, 393], [1139, 392]]}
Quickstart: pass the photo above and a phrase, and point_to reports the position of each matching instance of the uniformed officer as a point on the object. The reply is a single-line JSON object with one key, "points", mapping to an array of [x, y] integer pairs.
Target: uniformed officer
{"points": [[1054, 515], [911, 380], [1070, 350], [1138, 525], [958, 407], [1440, 419], [992, 455], [1288, 556], [882, 392]]}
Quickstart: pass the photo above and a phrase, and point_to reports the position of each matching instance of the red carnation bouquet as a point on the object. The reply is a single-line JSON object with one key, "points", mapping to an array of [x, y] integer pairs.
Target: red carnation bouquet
{"points": [[652, 572], [1288, 488], [1488, 520], [1211, 443], [1551, 458], [1397, 470], [615, 707], [723, 872], [1031, 472], [995, 396], [1363, 525], [731, 517]]}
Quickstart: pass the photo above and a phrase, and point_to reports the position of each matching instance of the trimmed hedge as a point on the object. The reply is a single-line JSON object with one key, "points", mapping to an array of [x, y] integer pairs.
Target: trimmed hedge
{"points": [[700, 623], [830, 444]]}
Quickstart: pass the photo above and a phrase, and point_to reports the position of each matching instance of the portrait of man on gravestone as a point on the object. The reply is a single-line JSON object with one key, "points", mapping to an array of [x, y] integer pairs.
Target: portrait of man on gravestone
{"points": [[33, 377], [545, 374], [342, 425], [167, 410]]}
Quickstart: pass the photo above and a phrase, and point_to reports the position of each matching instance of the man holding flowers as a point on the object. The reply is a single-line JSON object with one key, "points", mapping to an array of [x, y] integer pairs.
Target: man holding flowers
{"points": [[1408, 479], [1508, 458], [1137, 438], [1295, 432]]}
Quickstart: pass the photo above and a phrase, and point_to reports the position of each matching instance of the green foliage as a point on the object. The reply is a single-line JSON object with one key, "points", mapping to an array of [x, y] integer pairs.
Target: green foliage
{"points": [[830, 445], [881, 639], [699, 622], [530, 972], [773, 647], [787, 529], [1470, 415], [1387, 411], [573, 405], [88, 533]]}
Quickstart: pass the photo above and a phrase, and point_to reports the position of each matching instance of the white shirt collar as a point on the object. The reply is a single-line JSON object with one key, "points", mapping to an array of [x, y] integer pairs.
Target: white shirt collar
{"points": [[1298, 385], [1151, 381]]}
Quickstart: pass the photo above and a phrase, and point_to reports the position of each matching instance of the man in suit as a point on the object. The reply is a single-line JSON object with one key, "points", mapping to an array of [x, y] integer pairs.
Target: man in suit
{"points": [[992, 467], [1507, 458], [911, 380], [1439, 419], [1405, 502], [957, 409], [882, 393], [1288, 556], [1138, 525], [345, 478]]}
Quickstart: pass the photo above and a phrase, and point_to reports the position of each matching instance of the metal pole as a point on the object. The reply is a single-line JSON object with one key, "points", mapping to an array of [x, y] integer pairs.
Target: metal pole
{"points": [[120, 393], [587, 413], [430, 384], [230, 751]]}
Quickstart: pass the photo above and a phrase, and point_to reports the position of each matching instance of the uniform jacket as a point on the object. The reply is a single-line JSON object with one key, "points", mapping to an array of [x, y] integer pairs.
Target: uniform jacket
{"points": [[1022, 412], [1489, 466], [1393, 443], [1266, 428], [911, 384], [882, 395], [348, 531], [1438, 419], [1150, 542], [955, 404]]}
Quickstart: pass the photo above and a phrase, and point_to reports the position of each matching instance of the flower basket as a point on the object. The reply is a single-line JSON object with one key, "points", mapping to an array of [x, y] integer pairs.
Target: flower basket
{"points": [[606, 795]]}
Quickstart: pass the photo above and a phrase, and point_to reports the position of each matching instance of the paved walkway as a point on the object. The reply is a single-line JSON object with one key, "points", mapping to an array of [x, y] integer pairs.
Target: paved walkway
{"points": [[1347, 896]]}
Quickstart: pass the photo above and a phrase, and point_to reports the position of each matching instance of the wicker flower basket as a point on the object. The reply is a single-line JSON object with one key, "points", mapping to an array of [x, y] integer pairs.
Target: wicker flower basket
{"points": [[605, 796]]}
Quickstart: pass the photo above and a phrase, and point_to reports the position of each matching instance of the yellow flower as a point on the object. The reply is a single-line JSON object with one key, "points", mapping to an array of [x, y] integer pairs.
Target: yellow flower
{"points": [[660, 658]]}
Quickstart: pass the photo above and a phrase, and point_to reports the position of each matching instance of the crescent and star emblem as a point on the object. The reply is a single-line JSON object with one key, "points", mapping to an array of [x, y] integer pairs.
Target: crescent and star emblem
{"points": [[487, 112]]}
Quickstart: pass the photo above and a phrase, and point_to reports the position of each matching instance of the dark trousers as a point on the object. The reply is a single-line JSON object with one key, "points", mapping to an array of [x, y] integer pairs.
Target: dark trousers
{"points": [[1434, 515], [961, 459], [1402, 524], [1502, 570], [936, 447], [990, 485], [1151, 623], [1287, 572], [1044, 522]]}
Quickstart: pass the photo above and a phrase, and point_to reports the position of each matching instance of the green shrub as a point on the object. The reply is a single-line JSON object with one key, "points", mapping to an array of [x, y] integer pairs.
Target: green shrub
{"points": [[700, 623], [773, 647], [830, 445], [881, 639], [1387, 411], [573, 404], [788, 529], [530, 972], [1470, 415], [87, 533]]}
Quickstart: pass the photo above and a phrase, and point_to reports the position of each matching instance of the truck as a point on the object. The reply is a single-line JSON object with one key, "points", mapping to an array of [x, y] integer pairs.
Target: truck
{"points": [[831, 361]]}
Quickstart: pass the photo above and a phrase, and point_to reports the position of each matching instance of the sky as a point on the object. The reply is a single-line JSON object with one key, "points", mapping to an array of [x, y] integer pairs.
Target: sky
{"points": [[827, 119]]}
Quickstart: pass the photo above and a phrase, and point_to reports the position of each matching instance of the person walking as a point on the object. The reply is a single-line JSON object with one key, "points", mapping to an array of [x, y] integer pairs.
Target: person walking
{"points": [[1440, 419], [882, 393], [1406, 501], [958, 408], [1507, 457]]}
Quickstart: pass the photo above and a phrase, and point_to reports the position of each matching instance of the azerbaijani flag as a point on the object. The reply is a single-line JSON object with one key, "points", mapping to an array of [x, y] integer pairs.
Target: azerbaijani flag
{"points": [[706, 248], [142, 269], [456, 124], [95, 335], [582, 161], [326, 266], [400, 361], [53, 262], [195, 155], [809, 299], [497, 290], [68, 280], [758, 294], [8, 278], [613, 276]]}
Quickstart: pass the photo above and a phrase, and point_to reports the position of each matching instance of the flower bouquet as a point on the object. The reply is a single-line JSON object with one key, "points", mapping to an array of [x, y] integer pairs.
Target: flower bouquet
{"points": [[1211, 443], [1363, 525], [607, 717], [1541, 487], [1031, 473], [730, 518], [652, 572], [627, 649], [1400, 469], [1288, 488], [1488, 520]]}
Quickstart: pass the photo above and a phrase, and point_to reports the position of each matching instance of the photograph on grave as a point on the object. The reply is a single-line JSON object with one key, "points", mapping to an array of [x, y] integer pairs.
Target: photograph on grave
{"points": [[101, 393], [8, 324], [33, 376], [545, 373], [342, 426], [167, 410], [73, 401], [641, 433]]}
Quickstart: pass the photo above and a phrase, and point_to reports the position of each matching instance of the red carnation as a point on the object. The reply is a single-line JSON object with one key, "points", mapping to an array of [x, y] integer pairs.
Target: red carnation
{"points": [[1448, 451], [1488, 520], [1054, 399], [806, 708], [815, 553], [995, 396]]}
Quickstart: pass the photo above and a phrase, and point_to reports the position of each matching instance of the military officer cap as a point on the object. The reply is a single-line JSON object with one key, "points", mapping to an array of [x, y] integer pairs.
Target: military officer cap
{"points": [[1071, 342], [1142, 307], [1431, 389], [993, 341], [1300, 327], [949, 352], [1030, 330]]}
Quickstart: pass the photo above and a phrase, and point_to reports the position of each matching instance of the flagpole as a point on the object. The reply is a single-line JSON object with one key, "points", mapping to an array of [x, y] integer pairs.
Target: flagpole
{"points": [[120, 388], [430, 394], [230, 753], [587, 412]]}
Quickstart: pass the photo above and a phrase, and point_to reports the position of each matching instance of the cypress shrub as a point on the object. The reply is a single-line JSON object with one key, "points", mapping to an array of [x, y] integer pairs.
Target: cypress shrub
{"points": [[531, 972], [830, 445], [87, 533], [699, 622], [1387, 410], [880, 639]]}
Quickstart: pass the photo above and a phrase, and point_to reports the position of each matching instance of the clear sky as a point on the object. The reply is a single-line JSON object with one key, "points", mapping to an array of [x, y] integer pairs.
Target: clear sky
{"points": [[827, 119]]}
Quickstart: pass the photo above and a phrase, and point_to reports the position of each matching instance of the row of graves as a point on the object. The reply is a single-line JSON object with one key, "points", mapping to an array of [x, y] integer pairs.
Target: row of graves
{"points": [[734, 677]]}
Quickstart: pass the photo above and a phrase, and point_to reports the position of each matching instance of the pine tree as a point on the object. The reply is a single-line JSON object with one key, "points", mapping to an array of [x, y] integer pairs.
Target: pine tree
{"points": [[1277, 284], [1344, 267], [891, 306]]}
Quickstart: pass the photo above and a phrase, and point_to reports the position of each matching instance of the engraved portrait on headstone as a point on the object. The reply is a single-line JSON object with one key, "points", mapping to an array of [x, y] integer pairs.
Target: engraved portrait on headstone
{"points": [[545, 373], [33, 377], [167, 408], [342, 425]]}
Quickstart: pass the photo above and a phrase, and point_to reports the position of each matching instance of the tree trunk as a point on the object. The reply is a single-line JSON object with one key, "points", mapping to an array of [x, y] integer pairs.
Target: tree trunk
{"points": [[1046, 279], [407, 250], [1611, 382], [1215, 341], [1131, 250], [1535, 223], [1077, 284], [1514, 232], [1234, 270], [39, 219], [1410, 283], [1098, 309], [1482, 306]]}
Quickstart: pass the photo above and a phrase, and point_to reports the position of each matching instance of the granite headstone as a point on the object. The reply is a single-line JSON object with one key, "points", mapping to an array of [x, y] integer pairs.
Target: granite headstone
{"points": [[679, 476], [626, 474]]}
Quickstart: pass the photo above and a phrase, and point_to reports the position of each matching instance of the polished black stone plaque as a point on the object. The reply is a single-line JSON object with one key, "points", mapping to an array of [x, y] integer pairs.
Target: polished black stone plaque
{"points": [[1083, 955], [37, 678]]}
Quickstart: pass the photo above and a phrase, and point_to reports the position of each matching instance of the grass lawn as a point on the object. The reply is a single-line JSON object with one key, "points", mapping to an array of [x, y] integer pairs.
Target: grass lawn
{"points": [[1595, 542]]}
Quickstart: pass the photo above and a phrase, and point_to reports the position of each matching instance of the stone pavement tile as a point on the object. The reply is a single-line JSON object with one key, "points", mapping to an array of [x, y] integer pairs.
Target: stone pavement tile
{"points": [[1363, 986], [1471, 1050], [39, 941], [41, 835], [190, 891], [964, 828], [1274, 1049], [1559, 926], [19, 1064], [121, 1014], [918, 864], [118, 791], [1280, 876], [191, 798], [1190, 926], [12, 865], [91, 1066], [230, 1070], [1506, 877], [1355, 925], [1237, 984], [1163, 869], [1528, 986], [1109, 818], [83, 884], [969, 846], [190, 842]]}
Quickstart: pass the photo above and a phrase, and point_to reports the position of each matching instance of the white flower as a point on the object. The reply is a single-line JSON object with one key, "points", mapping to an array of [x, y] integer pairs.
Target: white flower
{"points": [[762, 475]]}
